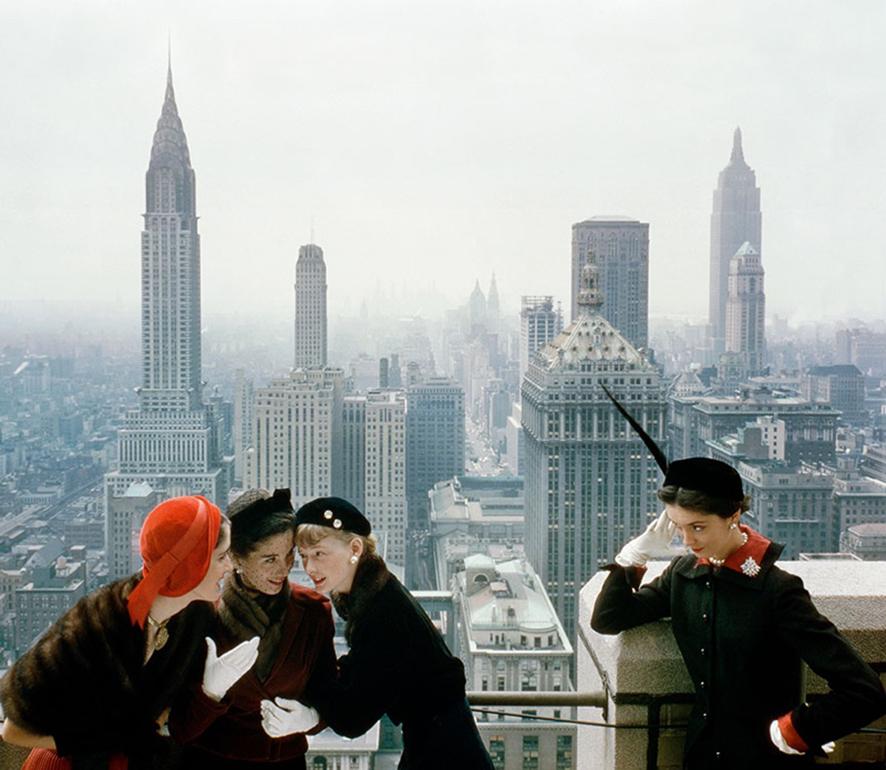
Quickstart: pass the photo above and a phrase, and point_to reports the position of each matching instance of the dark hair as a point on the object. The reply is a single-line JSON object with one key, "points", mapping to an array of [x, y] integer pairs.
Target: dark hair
{"points": [[257, 515], [702, 502]]}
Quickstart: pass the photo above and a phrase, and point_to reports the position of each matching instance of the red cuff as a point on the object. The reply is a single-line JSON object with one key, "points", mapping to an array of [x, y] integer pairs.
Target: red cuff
{"points": [[791, 736]]}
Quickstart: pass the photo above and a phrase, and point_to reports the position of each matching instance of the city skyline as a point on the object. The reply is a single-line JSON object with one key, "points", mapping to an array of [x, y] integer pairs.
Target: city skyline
{"points": [[470, 158]]}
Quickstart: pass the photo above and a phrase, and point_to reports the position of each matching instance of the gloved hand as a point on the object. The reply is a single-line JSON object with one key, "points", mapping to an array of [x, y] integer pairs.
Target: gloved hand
{"points": [[775, 735], [221, 671], [655, 541], [285, 717]]}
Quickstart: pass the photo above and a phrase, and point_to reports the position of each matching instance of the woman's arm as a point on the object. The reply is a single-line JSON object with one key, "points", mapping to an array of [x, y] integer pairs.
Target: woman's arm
{"points": [[19, 736], [856, 696], [621, 605]]}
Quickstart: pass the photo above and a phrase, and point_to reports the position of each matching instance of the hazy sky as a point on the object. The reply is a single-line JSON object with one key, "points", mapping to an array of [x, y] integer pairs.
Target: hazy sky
{"points": [[429, 144]]}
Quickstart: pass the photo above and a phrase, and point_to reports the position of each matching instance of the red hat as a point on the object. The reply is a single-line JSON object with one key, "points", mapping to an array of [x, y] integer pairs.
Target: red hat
{"points": [[176, 543]]}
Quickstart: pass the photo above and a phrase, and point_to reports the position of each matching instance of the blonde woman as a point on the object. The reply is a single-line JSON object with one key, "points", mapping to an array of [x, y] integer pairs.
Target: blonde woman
{"points": [[398, 663]]}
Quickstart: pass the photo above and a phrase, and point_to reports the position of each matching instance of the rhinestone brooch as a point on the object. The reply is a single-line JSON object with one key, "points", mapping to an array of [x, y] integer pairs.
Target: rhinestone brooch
{"points": [[750, 568]]}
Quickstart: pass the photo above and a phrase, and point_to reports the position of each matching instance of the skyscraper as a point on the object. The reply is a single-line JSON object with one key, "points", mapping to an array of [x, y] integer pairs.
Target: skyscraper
{"points": [[621, 250], [539, 324], [354, 450], [590, 483], [435, 436], [310, 307], [297, 434], [168, 440], [385, 469], [493, 305], [745, 309], [244, 401], [736, 218]]}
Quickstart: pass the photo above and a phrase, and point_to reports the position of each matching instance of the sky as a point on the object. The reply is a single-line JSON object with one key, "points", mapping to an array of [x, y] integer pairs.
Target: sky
{"points": [[427, 145]]}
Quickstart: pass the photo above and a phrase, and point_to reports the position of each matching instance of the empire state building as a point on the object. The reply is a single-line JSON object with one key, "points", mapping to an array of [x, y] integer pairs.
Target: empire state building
{"points": [[170, 445], [735, 219]]}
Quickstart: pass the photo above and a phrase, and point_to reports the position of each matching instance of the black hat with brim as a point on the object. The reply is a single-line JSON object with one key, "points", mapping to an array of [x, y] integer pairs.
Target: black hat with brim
{"points": [[705, 475], [335, 513]]}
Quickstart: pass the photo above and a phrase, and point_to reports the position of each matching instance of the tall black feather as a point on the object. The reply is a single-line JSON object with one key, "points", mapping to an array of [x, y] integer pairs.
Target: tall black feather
{"points": [[653, 448]]}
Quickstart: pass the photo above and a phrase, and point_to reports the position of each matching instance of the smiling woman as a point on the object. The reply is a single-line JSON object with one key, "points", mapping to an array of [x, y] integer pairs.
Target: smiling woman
{"points": [[295, 655]]}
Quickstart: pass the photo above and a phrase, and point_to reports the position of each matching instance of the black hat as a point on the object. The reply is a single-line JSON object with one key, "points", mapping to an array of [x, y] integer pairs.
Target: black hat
{"points": [[335, 513], [700, 474], [258, 502]]}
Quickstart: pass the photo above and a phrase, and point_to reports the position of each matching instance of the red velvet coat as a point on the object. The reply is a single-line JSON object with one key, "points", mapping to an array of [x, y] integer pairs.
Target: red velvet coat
{"points": [[305, 661]]}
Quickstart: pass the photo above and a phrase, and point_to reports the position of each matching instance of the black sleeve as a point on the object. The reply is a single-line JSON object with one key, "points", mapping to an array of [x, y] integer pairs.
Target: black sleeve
{"points": [[621, 605], [368, 678], [856, 695]]}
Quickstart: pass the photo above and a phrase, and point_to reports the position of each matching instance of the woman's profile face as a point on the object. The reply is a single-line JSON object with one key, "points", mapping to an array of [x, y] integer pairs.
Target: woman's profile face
{"points": [[706, 534], [209, 589], [328, 563], [267, 566]]}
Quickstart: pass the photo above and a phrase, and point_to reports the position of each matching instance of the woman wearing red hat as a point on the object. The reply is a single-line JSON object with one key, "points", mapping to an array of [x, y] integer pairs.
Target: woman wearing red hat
{"points": [[296, 657], [397, 664], [743, 625], [94, 689]]}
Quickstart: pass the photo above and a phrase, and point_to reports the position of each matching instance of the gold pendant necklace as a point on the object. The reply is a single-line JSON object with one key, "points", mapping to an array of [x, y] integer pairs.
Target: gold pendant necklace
{"points": [[161, 634]]}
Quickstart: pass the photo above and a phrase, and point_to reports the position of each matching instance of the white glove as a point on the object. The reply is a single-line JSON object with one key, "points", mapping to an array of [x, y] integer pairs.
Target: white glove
{"points": [[655, 541], [782, 745], [285, 717], [220, 672]]}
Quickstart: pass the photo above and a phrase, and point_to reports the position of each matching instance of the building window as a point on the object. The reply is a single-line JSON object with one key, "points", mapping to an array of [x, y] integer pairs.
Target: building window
{"points": [[564, 752], [530, 752], [497, 751]]}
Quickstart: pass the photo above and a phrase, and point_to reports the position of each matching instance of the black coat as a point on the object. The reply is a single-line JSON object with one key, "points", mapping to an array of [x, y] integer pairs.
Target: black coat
{"points": [[85, 682], [743, 640], [399, 665]]}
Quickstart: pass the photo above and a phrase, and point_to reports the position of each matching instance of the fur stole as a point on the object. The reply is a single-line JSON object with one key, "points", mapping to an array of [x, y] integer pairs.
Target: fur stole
{"points": [[246, 614], [94, 655], [371, 576]]}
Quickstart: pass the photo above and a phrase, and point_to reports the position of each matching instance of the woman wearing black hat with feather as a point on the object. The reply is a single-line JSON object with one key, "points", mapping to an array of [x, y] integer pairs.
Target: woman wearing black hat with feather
{"points": [[744, 627], [397, 664]]}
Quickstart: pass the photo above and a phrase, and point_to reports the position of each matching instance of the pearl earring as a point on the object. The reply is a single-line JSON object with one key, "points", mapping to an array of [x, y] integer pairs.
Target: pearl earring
{"points": [[733, 525], [354, 558]]}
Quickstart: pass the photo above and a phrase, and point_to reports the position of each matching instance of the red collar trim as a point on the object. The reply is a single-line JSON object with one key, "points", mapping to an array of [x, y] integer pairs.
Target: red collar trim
{"points": [[754, 549]]}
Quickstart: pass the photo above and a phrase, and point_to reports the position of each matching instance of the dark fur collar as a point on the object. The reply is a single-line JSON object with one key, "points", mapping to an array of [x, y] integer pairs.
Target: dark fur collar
{"points": [[247, 613], [372, 575]]}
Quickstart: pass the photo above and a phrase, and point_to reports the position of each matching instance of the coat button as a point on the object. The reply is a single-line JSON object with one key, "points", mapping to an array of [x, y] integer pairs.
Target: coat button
{"points": [[704, 617], [707, 584], [701, 684], [702, 651], [704, 714]]}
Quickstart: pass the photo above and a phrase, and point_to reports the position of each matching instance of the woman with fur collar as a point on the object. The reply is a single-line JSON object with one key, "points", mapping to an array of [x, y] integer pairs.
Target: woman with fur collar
{"points": [[94, 690], [295, 656], [397, 664]]}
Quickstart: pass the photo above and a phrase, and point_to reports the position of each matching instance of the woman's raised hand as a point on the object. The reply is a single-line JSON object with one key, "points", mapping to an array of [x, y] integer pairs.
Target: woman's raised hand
{"points": [[284, 716], [655, 541], [221, 671]]}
